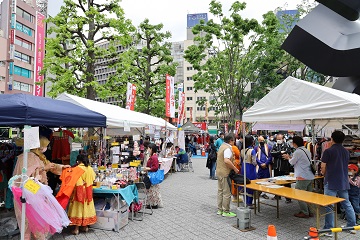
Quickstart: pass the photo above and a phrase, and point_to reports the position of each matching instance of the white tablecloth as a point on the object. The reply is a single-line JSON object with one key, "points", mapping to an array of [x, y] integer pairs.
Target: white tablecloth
{"points": [[165, 164]]}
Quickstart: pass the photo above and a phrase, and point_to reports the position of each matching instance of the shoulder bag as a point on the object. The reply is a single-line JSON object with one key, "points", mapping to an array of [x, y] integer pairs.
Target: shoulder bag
{"points": [[313, 170], [156, 177]]}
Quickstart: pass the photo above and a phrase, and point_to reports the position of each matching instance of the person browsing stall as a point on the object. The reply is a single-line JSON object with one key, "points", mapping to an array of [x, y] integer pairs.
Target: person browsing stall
{"points": [[224, 162], [181, 158], [334, 167], [153, 193], [219, 141], [249, 165], [354, 191], [263, 160], [303, 174]]}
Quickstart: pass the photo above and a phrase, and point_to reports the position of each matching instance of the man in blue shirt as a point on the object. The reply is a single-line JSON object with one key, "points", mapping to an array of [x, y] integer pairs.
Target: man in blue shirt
{"points": [[219, 141], [334, 166], [181, 158]]}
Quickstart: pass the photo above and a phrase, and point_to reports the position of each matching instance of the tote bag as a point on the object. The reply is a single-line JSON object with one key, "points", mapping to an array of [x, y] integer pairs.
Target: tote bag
{"points": [[156, 177]]}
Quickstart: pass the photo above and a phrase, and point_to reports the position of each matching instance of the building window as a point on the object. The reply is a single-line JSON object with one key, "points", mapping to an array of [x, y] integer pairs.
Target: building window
{"points": [[200, 108], [189, 68], [189, 98], [189, 78], [189, 88], [188, 108], [200, 98], [23, 43], [21, 86], [22, 72], [22, 57], [24, 29], [24, 14]]}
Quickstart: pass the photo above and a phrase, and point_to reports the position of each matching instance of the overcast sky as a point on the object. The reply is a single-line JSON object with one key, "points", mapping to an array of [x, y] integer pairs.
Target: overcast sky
{"points": [[172, 13]]}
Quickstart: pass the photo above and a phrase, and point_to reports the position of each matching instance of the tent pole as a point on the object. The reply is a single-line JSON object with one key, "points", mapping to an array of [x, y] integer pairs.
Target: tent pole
{"points": [[244, 163], [23, 203]]}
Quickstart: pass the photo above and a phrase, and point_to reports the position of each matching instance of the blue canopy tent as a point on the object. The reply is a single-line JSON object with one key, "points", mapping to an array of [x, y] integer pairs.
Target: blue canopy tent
{"points": [[23, 109]]}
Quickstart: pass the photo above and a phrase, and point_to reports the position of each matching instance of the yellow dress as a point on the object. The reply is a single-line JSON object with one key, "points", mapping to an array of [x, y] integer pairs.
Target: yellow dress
{"points": [[81, 208]]}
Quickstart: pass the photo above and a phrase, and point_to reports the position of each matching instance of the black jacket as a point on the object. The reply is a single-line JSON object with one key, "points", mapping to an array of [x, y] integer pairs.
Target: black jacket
{"points": [[278, 162]]}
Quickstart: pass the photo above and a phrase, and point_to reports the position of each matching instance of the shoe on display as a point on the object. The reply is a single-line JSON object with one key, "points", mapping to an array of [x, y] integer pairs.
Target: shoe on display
{"points": [[219, 212], [276, 197], [228, 214], [288, 200], [301, 215]]}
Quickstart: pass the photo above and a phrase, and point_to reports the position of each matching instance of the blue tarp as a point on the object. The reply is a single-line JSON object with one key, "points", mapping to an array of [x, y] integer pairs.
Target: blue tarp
{"points": [[23, 109]]}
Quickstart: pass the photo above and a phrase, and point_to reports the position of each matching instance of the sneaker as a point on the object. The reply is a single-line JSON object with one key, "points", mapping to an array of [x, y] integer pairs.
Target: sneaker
{"points": [[265, 196], [219, 212], [326, 235], [228, 214], [358, 221], [352, 231], [301, 215], [288, 201]]}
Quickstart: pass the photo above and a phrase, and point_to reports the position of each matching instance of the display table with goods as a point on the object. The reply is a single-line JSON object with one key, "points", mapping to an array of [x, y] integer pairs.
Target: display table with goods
{"points": [[114, 191]]}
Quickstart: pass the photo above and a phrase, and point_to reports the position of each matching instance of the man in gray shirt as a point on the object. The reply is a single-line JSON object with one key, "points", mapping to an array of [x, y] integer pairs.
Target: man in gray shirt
{"points": [[303, 174]]}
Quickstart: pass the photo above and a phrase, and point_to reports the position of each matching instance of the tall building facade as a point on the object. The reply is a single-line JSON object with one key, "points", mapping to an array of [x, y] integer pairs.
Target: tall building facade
{"points": [[17, 36], [194, 111]]}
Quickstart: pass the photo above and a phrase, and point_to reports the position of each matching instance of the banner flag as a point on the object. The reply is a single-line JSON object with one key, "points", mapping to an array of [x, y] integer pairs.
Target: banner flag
{"points": [[170, 96], [130, 96]]}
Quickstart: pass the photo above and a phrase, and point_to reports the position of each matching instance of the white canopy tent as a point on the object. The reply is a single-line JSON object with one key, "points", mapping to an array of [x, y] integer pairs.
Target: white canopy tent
{"points": [[116, 116], [295, 101]]}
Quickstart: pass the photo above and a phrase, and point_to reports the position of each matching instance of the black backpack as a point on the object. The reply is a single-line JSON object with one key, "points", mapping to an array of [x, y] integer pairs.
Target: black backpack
{"points": [[238, 178]]}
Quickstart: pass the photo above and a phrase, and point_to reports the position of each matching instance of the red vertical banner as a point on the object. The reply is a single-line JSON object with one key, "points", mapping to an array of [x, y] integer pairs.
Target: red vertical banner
{"points": [[39, 54], [181, 107], [237, 126], [170, 96], [130, 96], [226, 126]]}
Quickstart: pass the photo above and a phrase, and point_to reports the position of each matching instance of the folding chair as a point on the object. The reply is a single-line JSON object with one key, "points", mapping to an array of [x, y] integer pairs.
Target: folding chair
{"points": [[187, 167], [142, 197]]}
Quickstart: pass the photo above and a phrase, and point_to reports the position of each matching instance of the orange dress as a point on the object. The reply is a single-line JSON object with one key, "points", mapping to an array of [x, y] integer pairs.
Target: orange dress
{"points": [[236, 162]]}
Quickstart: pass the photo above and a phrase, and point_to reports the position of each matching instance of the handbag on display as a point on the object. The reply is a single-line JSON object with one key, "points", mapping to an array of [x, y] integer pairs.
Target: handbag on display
{"points": [[156, 177]]}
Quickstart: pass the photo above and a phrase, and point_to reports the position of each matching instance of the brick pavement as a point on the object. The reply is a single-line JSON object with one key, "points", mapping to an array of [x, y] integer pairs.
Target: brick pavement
{"points": [[190, 213]]}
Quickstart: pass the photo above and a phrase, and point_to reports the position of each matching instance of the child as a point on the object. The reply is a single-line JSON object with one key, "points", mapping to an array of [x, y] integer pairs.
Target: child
{"points": [[354, 191]]}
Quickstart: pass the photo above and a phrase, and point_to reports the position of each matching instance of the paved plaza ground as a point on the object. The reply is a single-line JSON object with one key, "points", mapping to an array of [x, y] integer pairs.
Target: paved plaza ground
{"points": [[190, 213]]}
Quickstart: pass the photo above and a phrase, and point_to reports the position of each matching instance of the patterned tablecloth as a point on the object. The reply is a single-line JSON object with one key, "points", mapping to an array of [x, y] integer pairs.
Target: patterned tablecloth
{"points": [[166, 164]]}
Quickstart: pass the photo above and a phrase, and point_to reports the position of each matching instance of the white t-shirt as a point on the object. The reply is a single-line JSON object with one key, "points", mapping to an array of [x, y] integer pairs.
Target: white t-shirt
{"points": [[228, 152]]}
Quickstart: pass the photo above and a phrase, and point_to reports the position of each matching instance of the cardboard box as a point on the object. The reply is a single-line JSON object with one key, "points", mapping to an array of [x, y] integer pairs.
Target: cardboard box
{"points": [[112, 219]]}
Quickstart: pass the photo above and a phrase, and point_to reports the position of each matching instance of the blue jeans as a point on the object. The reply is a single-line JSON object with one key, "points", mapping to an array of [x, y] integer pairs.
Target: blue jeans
{"points": [[354, 193], [346, 205], [213, 169]]}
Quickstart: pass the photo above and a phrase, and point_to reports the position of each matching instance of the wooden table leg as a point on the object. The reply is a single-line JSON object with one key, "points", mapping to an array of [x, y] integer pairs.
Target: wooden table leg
{"points": [[317, 216], [335, 218], [258, 199], [237, 195], [254, 196]]}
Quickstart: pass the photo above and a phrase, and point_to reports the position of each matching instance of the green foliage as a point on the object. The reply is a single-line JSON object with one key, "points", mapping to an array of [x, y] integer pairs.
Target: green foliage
{"points": [[147, 67], [227, 65], [72, 51]]}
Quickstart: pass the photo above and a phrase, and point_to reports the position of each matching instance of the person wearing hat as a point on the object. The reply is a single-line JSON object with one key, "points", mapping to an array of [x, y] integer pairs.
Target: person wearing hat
{"points": [[37, 166], [354, 191]]}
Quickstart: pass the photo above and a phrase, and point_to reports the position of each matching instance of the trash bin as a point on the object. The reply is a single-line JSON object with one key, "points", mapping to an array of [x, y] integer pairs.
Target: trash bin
{"points": [[243, 216]]}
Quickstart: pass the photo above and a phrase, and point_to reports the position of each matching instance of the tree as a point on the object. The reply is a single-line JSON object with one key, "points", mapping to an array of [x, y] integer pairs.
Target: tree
{"points": [[147, 67], [73, 54], [235, 72]]}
